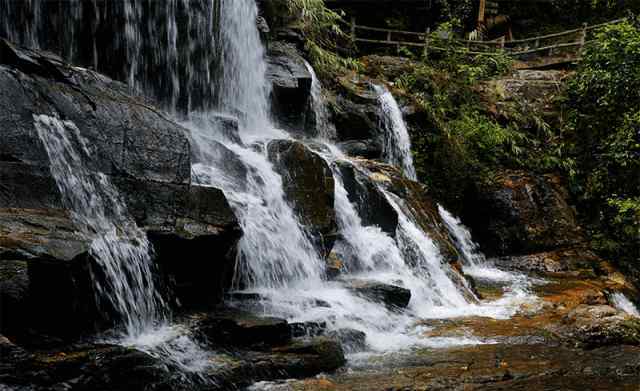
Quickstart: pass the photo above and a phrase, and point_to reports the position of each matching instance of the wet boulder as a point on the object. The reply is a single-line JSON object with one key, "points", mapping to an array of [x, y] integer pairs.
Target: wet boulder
{"points": [[351, 340], [198, 251], [368, 149], [133, 146], [372, 205], [54, 294], [594, 326], [309, 187], [356, 119], [522, 213], [242, 329], [291, 86], [303, 357], [392, 296]]}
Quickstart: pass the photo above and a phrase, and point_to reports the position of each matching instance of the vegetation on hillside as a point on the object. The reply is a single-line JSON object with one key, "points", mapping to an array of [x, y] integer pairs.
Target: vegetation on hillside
{"points": [[604, 139], [459, 142]]}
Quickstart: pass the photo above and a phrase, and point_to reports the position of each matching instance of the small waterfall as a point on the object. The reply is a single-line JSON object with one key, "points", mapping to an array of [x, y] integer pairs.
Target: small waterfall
{"points": [[120, 248], [325, 129], [621, 302], [470, 251], [118, 245], [397, 147], [244, 90], [166, 49], [274, 250]]}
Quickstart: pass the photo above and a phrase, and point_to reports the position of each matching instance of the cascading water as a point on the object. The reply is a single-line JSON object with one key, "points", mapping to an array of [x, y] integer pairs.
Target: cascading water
{"points": [[622, 302], [166, 49], [397, 147], [175, 42], [325, 129], [118, 245]]}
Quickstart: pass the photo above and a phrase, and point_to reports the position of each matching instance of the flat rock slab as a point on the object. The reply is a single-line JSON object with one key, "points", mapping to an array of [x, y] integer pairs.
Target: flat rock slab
{"points": [[241, 329], [390, 295]]}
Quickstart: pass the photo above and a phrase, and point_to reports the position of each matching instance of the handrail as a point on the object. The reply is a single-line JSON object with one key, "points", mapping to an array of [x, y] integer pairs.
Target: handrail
{"points": [[486, 48], [491, 43]]}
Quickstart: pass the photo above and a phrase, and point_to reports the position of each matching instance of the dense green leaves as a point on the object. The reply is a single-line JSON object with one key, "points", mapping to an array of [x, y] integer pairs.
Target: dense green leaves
{"points": [[604, 138]]}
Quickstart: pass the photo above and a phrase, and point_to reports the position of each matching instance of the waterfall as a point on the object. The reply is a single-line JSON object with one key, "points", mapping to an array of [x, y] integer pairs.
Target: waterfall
{"points": [[274, 250], [166, 49], [244, 90], [397, 146], [205, 62], [621, 302], [325, 129], [120, 248]]}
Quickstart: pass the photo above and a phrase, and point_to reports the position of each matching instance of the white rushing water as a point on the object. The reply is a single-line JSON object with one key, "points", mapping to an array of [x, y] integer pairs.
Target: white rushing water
{"points": [[275, 256], [397, 147], [622, 302], [325, 129], [119, 247]]}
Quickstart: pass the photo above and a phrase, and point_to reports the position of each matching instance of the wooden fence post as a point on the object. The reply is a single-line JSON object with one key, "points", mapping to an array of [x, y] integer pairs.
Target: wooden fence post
{"points": [[353, 28], [502, 39], [426, 43], [583, 36]]}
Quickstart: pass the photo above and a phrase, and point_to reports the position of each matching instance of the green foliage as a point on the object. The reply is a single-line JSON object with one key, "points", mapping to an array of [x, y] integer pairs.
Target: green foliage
{"points": [[321, 28], [604, 138]]}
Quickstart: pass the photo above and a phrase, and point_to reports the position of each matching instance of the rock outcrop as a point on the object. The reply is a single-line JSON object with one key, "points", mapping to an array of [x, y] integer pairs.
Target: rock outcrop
{"points": [[309, 187], [291, 87], [394, 297], [139, 150], [522, 213]]}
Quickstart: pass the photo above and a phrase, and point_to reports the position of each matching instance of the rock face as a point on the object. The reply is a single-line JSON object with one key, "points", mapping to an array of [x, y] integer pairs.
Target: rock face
{"points": [[291, 86], [309, 187], [241, 329], [144, 154], [371, 204], [521, 213], [390, 295], [415, 201], [355, 115]]}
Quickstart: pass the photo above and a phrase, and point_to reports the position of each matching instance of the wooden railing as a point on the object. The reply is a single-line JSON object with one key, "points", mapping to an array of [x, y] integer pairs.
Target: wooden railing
{"points": [[571, 39]]}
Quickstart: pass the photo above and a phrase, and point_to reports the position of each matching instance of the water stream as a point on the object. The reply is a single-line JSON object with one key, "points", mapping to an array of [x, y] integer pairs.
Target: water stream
{"points": [[275, 257]]}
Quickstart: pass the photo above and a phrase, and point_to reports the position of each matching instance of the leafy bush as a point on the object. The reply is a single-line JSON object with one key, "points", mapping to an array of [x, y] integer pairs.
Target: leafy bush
{"points": [[321, 27], [604, 138]]}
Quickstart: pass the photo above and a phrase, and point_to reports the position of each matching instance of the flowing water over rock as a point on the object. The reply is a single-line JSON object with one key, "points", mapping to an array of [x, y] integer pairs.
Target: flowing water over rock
{"points": [[276, 258], [623, 303], [121, 250], [119, 246], [397, 147]]}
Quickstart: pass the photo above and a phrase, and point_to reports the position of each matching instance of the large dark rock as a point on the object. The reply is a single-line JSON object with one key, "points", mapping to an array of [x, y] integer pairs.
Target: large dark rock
{"points": [[235, 328], [14, 289], [390, 295], [351, 340], [371, 204], [309, 187], [141, 151], [368, 149], [355, 112], [291, 86], [198, 252], [522, 213], [304, 358], [411, 197]]}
